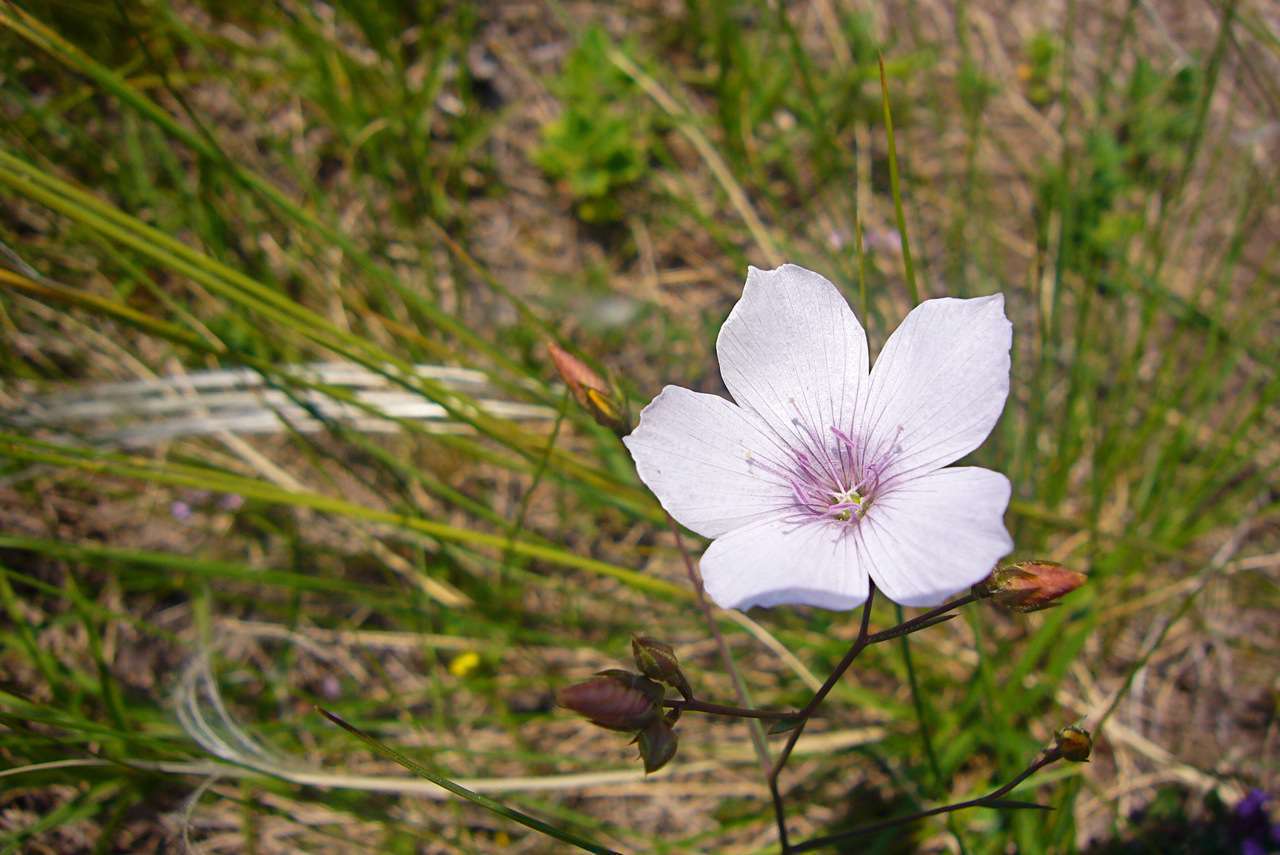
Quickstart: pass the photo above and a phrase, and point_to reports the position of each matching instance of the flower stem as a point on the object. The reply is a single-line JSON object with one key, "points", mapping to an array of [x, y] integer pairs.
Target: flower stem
{"points": [[863, 640], [918, 703], [859, 643], [992, 799], [924, 621], [739, 687]]}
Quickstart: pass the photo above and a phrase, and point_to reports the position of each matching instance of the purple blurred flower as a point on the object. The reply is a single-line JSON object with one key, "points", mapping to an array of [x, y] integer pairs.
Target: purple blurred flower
{"points": [[1253, 827], [231, 502], [883, 240]]}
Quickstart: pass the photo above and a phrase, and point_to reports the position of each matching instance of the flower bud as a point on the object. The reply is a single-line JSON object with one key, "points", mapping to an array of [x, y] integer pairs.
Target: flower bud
{"points": [[1074, 744], [657, 661], [615, 700], [1029, 586], [658, 744], [593, 394]]}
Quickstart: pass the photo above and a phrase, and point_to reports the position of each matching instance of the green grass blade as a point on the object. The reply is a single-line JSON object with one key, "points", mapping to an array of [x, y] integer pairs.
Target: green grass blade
{"points": [[201, 478], [463, 793], [895, 187]]}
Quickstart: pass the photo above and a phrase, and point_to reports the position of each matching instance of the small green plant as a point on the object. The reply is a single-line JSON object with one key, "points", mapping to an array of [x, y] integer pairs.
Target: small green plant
{"points": [[1159, 120], [1042, 52], [1127, 161], [600, 144]]}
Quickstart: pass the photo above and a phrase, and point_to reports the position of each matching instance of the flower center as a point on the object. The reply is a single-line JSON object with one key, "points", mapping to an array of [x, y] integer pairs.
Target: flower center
{"points": [[829, 476], [832, 477], [844, 505]]}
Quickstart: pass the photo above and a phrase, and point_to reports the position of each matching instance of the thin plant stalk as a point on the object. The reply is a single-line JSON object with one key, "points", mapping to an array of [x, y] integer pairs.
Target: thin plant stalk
{"points": [[993, 799], [896, 190], [695, 705], [864, 639], [475, 798], [739, 686]]}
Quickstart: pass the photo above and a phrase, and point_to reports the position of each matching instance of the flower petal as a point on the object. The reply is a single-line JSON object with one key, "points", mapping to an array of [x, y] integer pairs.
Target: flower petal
{"points": [[792, 348], [771, 563], [939, 385], [936, 534], [698, 454]]}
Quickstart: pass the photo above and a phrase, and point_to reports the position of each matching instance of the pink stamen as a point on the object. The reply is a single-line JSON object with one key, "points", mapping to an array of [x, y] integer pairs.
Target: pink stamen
{"points": [[830, 481]]}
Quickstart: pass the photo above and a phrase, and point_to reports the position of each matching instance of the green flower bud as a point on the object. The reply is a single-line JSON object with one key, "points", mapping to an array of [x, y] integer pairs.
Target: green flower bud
{"points": [[658, 744], [1074, 744], [658, 662]]}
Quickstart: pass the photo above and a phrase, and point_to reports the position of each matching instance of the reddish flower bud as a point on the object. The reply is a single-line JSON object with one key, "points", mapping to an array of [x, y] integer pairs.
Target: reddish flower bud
{"points": [[1074, 744], [635, 681], [658, 662], [592, 393], [658, 744], [1029, 586], [616, 700]]}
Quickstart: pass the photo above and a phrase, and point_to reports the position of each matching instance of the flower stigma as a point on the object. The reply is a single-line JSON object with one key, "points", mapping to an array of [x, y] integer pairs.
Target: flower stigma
{"points": [[844, 505]]}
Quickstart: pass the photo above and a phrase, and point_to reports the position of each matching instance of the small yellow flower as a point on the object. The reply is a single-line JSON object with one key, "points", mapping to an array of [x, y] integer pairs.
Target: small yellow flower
{"points": [[464, 663]]}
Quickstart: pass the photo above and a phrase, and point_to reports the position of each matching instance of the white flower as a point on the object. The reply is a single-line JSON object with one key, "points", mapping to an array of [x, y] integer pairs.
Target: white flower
{"points": [[824, 474]]}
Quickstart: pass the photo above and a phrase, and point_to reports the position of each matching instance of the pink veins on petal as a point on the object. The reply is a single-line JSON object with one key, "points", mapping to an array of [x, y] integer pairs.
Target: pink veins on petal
{"points": [[829, 480]]}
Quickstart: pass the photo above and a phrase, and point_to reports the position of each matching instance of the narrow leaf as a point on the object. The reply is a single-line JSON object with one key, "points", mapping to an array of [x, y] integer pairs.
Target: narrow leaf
{"points": [[1013, 804], [462, 792], [896, 190], [784, 725]]}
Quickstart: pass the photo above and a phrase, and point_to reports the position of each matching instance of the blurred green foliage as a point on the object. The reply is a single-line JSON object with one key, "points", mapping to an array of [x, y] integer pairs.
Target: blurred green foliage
{"points": [[1042, 53], [1123, 164], [601, 142]]}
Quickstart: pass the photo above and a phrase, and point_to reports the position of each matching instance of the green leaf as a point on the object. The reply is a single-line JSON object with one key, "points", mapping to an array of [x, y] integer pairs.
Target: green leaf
{"points": [[784, 725]]}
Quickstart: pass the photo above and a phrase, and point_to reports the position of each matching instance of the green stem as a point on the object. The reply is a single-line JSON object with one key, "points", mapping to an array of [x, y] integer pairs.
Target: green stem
{"points": [[918, 703], [993, 799], [896, 190], [739, 685], [864, 640], [694, 705]]}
